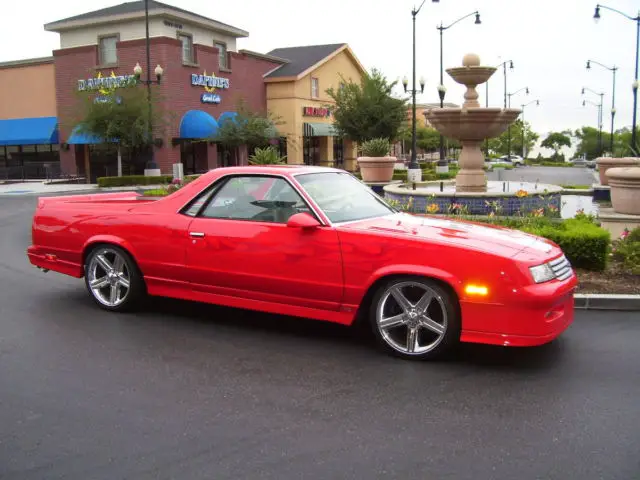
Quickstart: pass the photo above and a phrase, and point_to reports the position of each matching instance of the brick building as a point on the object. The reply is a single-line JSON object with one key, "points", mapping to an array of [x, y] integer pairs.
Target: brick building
{"points": [[190, 49]]}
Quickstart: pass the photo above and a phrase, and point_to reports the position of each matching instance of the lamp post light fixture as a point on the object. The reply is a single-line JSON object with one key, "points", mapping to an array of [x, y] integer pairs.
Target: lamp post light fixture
{"points": [[526, 90], [613, 69], [414, 173], [486, 86], [601, 95], [599, 105], [524, 151], [441, 88], [634, 85]]}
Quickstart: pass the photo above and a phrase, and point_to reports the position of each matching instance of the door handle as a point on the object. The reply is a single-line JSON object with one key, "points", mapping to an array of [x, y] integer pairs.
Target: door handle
{"points": [[196, 234]]}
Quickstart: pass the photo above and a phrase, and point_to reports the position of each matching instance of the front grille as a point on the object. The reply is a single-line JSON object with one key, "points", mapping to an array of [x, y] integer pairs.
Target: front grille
{"points": [[561, 268]]}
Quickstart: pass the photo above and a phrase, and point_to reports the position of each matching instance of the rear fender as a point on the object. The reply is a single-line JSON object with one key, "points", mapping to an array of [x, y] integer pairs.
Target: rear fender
{"points": [[110, 239]]}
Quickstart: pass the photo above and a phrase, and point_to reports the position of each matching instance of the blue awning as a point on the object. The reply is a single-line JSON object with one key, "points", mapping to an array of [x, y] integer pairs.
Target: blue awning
{"points": [[81, 138], [225, 116], [198, 124], [29, 131]]}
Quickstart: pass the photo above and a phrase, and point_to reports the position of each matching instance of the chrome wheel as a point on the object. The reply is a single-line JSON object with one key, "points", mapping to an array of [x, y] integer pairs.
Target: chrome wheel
{"points": [[411, 317], [109, 277]]}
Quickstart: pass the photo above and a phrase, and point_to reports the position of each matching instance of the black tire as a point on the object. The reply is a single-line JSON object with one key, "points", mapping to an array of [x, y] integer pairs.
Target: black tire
{"points": [[425, 324], [126, 298]]}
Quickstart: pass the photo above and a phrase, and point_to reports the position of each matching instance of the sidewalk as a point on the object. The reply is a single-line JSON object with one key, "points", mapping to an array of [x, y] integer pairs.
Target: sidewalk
{"points": [[42, 188]]}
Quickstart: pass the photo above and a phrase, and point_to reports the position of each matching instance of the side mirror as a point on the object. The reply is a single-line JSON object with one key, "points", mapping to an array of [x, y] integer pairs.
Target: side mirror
{"points": [[302, 220]]}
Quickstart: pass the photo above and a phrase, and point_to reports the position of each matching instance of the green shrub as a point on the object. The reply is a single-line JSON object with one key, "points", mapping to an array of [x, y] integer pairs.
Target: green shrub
{"points": [[131, 180], [627, 251], [585, 244], [266, 156], [506, 166], [156, 192], [190, 178], [376, 147]]}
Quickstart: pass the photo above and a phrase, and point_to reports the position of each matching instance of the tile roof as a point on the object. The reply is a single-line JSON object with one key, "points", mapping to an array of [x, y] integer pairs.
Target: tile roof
{"points": [[301, 58], [135, 7]]}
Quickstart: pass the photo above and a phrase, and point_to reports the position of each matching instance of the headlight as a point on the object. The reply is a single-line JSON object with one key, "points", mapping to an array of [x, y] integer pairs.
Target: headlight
{"points": [[542, 273]]}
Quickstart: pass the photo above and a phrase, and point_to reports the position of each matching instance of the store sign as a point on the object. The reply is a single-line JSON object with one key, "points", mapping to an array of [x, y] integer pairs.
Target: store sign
{"points": [[316, 112], [107, 99], [210, 98], [173, 24], [209, 82], [106, 84]]}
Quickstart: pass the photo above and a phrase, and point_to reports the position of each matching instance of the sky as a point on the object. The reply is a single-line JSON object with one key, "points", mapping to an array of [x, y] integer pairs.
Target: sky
{"points": [[549, 42]]}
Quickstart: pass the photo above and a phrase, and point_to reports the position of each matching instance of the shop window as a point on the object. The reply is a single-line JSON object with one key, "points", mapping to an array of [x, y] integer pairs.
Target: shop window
{"points": [[338, 152], [223, 58], [187, 48], [315, 87], [311, 150], [108, 50]]}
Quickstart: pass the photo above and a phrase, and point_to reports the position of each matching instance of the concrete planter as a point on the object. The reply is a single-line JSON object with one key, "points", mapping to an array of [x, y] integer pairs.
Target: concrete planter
{"points": [[377, 169], [625, 189], [605, 163]]}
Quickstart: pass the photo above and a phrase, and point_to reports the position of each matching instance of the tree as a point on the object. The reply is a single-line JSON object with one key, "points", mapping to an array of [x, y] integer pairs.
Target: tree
{"points": [[500, 145], [555, 141], [427, 139], [368, 109], [589, 144], [120, 117], [622, 143], [253, 129]]}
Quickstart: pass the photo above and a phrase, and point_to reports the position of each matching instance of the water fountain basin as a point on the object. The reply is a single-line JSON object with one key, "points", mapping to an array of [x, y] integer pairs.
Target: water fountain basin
{"points": [[471, 123]]}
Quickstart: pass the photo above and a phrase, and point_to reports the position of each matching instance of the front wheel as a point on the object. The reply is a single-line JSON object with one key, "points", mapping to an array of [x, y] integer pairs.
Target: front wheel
{"points": [[113, 278], [415, 318]]}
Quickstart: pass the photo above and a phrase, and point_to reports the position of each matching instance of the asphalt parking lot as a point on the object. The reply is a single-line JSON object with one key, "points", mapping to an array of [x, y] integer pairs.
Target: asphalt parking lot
{"points": [[185, 391], [552, 175]]}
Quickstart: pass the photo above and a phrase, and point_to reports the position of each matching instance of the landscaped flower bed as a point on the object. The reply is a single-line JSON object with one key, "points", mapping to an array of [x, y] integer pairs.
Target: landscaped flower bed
{"points": [[602, 265]]}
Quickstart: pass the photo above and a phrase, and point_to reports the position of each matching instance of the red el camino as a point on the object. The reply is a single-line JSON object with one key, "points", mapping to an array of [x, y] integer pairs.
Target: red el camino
{"points": [[311, 242]]}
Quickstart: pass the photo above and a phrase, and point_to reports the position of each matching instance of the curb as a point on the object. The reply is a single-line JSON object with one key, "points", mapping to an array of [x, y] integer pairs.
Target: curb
{"points": [[597, 301]]}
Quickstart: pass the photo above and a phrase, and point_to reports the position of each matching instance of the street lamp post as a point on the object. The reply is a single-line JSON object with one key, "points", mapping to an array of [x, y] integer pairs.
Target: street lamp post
{"points": [[504, 65], [600, 105], [414, 173], [441, 88], [526, 90], [137, 71], [613, 98], [634, 85], [524, 151]]}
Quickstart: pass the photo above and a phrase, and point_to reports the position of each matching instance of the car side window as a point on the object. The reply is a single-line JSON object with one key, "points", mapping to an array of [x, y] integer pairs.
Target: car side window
{"points": [[255, 198]]}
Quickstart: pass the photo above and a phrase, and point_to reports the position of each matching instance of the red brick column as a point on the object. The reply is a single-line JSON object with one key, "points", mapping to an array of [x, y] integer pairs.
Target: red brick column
{"points": [[212, 156]]}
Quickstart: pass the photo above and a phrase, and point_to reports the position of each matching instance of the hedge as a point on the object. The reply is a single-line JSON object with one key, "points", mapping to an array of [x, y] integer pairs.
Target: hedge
{"points": [[584, 243], [131, 180]]}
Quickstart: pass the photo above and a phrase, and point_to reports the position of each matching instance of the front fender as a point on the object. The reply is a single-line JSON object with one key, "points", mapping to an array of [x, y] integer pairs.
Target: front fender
{"points": [[421, 270]]}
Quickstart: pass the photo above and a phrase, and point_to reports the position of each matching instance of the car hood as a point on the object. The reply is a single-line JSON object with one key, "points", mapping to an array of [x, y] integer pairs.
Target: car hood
{"points": [[482, 237]]}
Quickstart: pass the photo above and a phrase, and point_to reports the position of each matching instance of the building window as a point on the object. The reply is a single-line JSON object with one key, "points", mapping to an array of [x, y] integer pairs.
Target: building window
{"points": [[222, 54], [187, 48], [108, 51], [315, 88]]}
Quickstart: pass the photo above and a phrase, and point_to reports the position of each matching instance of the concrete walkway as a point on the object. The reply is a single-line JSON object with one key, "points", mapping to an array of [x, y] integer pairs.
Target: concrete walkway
{"points": [[42, 188]]}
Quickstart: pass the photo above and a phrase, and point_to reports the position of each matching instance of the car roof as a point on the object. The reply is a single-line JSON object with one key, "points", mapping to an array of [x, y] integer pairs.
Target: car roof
{"points": [[286, 170]]}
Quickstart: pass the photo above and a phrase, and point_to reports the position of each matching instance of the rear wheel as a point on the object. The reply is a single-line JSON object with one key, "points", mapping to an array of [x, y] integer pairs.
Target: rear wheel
{"points": [[415, 318], [113, 278]]}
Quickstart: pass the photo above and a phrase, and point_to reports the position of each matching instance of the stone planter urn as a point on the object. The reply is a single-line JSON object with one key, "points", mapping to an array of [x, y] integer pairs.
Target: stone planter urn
{"points": [[376, 165], [625, 189], [605, 163], [377, 169]]}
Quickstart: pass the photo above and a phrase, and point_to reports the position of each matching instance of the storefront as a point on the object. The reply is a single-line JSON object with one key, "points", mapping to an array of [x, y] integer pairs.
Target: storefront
{"points": [[28, 122], [203, 80], [296, 94]]}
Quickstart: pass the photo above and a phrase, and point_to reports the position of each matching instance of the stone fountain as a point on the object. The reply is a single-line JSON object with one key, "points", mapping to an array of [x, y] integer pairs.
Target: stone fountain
{"points": [[471, 124]]}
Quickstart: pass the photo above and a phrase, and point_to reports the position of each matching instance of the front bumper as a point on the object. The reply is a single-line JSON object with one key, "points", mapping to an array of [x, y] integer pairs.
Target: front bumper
{"points": [[533, 315]]}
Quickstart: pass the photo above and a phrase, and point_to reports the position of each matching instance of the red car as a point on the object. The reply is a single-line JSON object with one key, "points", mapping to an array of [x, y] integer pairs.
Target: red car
{"points": [[311, 242]]}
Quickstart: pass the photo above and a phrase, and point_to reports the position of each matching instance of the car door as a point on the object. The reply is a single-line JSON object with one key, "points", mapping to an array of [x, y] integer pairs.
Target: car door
{"points": [[241, 246]]}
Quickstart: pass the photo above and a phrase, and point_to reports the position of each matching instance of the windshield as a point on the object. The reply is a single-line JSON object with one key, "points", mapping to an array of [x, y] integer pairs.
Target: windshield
{"points": [[342, 197]]}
